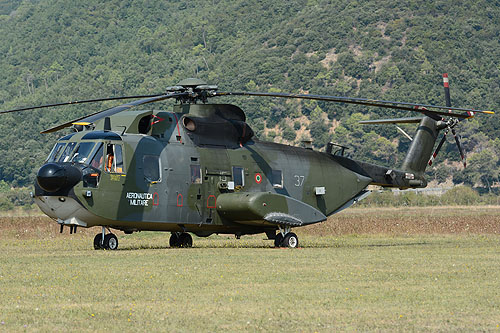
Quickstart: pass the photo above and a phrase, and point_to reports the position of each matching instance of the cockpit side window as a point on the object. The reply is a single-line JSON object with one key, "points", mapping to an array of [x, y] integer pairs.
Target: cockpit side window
{"points": [[82, 152], [54, 154], [114, 159], [119, 159], [67, 152]]}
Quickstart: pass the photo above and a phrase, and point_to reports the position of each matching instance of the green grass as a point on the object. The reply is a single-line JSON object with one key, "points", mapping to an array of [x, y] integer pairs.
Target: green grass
{"points": [[363, 282]]}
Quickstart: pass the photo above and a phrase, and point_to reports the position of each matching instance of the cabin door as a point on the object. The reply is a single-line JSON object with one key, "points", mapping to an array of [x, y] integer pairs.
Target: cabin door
{"points": [[216, 170]]}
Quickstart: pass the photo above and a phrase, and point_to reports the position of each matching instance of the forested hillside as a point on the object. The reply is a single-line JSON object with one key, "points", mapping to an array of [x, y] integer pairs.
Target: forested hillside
{"points": [[62, 50]]}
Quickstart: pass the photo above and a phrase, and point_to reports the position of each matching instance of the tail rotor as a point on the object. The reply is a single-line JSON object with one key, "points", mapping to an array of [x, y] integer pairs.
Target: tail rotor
{"points": [[450, 124]]}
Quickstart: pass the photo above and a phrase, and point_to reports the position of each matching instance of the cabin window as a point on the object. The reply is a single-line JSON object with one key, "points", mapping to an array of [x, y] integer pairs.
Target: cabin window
{"points": [[82, 152], [277, 178], [114, 159], [67, 152], [151, 167], [96, 161], [238, 176], [54, 154], [195, 174]]}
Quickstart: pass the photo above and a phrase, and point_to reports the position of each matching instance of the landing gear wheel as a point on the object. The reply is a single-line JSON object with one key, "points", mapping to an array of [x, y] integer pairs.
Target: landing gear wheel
{"points": [[174, 240], [278, 240], [110, 242], [185, 240], [291, 240], [97, 242]]}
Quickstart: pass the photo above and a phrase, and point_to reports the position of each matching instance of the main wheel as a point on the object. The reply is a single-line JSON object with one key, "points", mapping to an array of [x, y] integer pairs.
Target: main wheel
{"points": [[110, 242], [278, 240], [185, 240], [97, 242], [174, 240], [291, 240]]}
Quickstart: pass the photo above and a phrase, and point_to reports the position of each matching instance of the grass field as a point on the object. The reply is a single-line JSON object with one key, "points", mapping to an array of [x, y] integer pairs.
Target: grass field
{"points": [[418, 269]]}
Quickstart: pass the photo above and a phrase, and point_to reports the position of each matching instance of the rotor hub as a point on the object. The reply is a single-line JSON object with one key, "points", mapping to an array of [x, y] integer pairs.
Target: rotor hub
{"points": [[194, 90]]}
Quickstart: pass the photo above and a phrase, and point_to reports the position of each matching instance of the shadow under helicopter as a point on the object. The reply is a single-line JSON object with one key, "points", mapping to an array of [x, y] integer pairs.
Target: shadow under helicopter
{"points": [[246, 245]]}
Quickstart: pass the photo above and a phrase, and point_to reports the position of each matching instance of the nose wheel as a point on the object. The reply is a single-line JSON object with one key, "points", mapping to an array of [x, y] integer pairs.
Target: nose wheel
{"points": [[286, 238], [106, 242]]}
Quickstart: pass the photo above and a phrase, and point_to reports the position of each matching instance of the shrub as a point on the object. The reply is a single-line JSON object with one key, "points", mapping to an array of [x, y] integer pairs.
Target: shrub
{"points": [[461, 195]]}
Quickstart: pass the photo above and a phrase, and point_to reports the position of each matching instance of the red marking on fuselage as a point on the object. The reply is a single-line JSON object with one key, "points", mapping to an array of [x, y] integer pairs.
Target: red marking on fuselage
{"points": [[158, 119], [156, 199], [178, 129], [181, 203], [215, 201]]}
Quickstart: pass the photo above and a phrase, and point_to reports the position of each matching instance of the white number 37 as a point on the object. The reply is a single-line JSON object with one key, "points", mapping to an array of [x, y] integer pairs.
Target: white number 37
{"points": [[299, 180]]}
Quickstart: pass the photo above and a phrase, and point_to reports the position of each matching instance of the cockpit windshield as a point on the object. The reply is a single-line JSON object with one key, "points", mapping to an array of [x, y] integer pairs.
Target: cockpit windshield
{"points": [[67, 151], [54, 154], [82, 152]]}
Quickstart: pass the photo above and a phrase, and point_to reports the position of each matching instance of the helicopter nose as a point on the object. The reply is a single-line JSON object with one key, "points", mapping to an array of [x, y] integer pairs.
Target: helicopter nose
{"points": [[53, 177]]}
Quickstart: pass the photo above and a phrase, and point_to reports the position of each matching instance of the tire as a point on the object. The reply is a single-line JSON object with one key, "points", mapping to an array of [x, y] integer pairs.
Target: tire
{"points": [[110, 242], [278, 240], [185, 240], [291, 240], [174, 240], [97, 242]]}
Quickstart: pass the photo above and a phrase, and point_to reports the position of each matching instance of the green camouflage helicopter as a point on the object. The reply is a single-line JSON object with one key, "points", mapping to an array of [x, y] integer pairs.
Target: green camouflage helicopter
{"points": [[199, 169]]}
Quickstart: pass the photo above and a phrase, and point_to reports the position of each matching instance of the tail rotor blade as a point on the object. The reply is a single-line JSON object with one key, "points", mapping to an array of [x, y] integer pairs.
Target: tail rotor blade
{"points": [[438, 148], [446, 86], [460, 149], [446, 89]]}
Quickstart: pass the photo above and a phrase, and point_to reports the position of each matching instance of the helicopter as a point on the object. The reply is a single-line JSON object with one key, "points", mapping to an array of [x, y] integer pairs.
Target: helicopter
{"points": [[199, 168]]}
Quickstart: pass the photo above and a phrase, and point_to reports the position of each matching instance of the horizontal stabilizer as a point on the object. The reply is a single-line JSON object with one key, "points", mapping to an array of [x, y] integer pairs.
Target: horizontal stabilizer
{"points": [[411, 120]]}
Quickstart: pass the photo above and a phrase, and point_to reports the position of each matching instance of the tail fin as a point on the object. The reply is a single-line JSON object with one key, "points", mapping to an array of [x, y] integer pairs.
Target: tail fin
{"points": [[420, 151], [411, 174]]}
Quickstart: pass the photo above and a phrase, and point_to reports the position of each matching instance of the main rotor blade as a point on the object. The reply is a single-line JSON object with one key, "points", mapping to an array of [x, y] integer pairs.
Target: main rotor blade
{"points": [[80, 102], [365, 101], [109, 112], [412, 120]]}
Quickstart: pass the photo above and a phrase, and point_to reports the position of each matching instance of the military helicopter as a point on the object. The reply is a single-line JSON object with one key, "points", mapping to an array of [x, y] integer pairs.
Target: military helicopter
{"points": [[199, 169]]}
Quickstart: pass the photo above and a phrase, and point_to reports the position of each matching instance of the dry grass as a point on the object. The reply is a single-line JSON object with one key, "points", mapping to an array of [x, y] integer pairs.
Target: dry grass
{"points": [[411, 221], [371, 221]]}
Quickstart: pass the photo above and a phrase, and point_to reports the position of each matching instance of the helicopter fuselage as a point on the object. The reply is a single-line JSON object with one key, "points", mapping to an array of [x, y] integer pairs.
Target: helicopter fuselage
{"points": [[169, 178]]}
